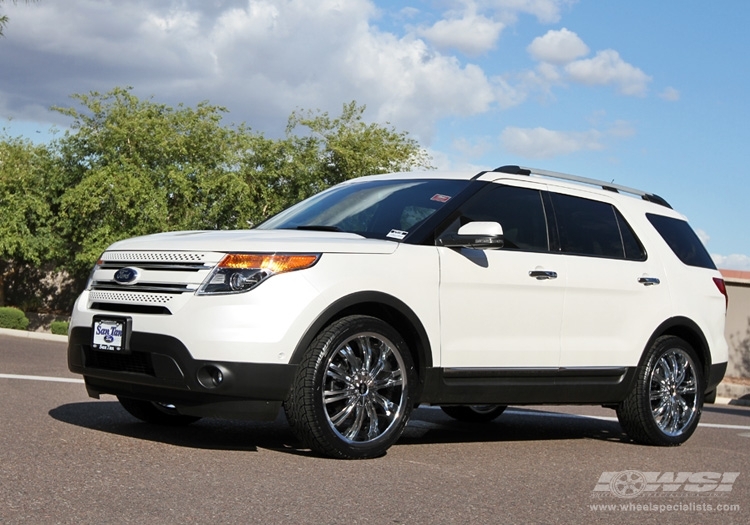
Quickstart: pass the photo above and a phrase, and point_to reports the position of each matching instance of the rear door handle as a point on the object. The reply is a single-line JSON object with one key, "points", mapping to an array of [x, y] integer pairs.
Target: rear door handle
{"points": [[542, 275], [649, 281]]}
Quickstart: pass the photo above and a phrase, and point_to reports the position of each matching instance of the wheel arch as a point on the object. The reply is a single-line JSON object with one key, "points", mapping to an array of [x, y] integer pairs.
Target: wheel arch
{"points": [[687, 330], [384, 307]]}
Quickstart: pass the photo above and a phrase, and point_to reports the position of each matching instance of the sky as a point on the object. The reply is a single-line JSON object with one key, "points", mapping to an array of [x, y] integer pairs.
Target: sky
{"points": [[651, 95]]}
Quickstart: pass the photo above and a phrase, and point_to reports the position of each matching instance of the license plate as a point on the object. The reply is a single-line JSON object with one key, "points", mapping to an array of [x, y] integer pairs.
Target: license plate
{"points": [[110, 334]]}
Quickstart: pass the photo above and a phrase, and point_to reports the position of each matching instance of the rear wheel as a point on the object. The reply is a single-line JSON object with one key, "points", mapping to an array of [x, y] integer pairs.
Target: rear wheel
{"points": [[474, 413], [351, 397], [155, 413], [666, 402]]}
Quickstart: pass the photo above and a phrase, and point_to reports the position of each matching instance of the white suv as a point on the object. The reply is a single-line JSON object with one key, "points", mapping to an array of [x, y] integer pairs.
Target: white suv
{"points": [[470, 291]]}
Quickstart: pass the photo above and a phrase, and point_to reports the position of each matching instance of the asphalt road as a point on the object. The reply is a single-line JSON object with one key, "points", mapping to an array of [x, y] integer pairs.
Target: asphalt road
{"points": [[66, 458]]}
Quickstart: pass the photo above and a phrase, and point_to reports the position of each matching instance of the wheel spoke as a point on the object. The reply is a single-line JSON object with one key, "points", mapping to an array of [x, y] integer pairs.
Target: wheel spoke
{"points": [[338, 373], [389, 407], [393, 378], [660, 412], [689, 388], [381, 362], [340, 416], [365, 343], [359, 418], [332, 396], [355, 363], [680, 364], [374, 428]]}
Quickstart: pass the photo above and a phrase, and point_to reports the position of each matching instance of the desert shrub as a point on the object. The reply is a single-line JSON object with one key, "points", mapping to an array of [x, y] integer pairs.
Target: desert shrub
{"points": [[13, 318], [59, 327]]}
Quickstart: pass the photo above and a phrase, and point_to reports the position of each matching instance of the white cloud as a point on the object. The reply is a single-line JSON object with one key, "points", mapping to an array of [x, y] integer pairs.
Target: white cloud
{"points": [[702, 235], [608, 68], [264, 58], [540, 143], [472, 34], [732, 262], [261, 60], [621, 129], [546, 11], [558, 47], [564, 48], [670, 94], [507, 95]]}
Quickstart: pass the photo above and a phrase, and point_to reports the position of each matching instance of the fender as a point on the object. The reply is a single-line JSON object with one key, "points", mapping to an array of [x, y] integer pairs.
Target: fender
{"points": [[688, 330], [378, 304]]}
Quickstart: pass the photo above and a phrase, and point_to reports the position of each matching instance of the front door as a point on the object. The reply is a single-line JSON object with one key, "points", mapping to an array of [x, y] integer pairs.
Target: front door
{"points": [[502, 308]]}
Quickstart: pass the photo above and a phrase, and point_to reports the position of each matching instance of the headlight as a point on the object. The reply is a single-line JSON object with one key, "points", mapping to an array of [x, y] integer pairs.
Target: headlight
{"points": [[240, 272], [90, 280]]}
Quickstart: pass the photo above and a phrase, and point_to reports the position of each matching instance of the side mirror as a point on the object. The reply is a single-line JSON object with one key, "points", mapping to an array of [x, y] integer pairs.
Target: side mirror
{"points": [[479, 234]]}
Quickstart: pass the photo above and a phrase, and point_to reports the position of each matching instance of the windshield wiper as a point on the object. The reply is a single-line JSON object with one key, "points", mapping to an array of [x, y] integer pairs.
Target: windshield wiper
{"points": [[319, 228]]}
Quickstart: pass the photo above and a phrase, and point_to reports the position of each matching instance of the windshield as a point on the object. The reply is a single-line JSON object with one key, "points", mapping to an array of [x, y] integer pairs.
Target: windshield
{"points": [[382, 209]]}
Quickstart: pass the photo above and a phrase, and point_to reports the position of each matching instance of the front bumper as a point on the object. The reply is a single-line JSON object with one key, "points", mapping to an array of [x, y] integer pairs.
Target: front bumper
{"points": [[160, 368]]}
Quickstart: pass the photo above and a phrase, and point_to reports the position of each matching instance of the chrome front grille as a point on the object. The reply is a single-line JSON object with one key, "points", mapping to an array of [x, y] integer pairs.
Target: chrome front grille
{"points": [[137, 257], [129, 297], [165, 279]]}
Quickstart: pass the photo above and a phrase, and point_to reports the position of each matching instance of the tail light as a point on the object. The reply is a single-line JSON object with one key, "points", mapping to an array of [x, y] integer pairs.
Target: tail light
{"points": [[723, 289]]}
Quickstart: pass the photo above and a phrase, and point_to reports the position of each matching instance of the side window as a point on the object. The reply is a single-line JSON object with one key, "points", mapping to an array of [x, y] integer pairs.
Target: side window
{"points": [[589, 227], [634, 250], [519, 211], [682, 239]]}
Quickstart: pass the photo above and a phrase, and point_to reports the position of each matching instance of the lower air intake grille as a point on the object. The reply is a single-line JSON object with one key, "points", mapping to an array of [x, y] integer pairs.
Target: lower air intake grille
{"points": [[136, 362]]}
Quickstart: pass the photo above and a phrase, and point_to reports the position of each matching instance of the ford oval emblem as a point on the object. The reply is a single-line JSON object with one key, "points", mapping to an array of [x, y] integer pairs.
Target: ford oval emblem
{"points": [[127, 275]]}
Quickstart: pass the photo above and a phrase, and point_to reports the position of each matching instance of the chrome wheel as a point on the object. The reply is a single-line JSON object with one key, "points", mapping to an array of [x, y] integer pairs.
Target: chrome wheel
{"points": [[673, 392], [351, 396], [664, 406], [364, 388]]}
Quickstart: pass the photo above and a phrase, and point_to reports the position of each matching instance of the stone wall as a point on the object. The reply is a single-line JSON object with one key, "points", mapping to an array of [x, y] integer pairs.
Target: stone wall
{"points": [[737, 329]]}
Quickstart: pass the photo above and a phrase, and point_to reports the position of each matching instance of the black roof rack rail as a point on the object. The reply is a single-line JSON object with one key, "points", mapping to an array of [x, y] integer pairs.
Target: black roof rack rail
{"points": [[617, 188]]}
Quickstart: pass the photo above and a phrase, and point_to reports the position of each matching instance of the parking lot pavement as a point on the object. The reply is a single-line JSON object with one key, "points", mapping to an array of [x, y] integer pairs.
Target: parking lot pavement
{"points": [[67, 458]]}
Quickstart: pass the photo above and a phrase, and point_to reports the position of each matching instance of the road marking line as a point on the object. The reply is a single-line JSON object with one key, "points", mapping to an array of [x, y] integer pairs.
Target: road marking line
{"points": [[42, 378], [606, 418]]}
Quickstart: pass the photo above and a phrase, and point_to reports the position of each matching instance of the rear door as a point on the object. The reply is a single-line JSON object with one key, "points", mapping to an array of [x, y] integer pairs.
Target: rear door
{"points": [[616, 292]]}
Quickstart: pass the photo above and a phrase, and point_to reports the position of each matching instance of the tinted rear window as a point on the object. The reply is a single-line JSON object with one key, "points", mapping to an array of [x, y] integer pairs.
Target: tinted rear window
{"points": [[682, 239]]}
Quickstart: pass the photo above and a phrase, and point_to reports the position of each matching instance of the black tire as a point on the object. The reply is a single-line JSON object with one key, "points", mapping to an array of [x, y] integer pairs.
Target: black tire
{"points": [[709, 397], [155, 413], [474, 413], [665, 404], [351, 397]]}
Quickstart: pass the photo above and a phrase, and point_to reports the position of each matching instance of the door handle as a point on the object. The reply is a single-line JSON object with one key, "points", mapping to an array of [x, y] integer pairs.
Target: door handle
{"points": [[649, 281], [542, 275]]}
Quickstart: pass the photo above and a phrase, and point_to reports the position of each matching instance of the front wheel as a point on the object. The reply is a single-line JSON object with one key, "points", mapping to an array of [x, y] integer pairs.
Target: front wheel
{"points": [[666, 402], [156, 413], [351, 398], [474, 413]]}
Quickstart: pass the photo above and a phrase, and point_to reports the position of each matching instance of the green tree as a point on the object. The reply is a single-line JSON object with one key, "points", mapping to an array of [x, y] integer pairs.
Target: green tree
{"points": [[346, 147], [319, 151], [27, 181], [135, 167]]}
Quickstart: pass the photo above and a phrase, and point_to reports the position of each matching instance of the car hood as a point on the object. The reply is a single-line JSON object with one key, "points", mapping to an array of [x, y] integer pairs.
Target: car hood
{"points": [[275, 241]]}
